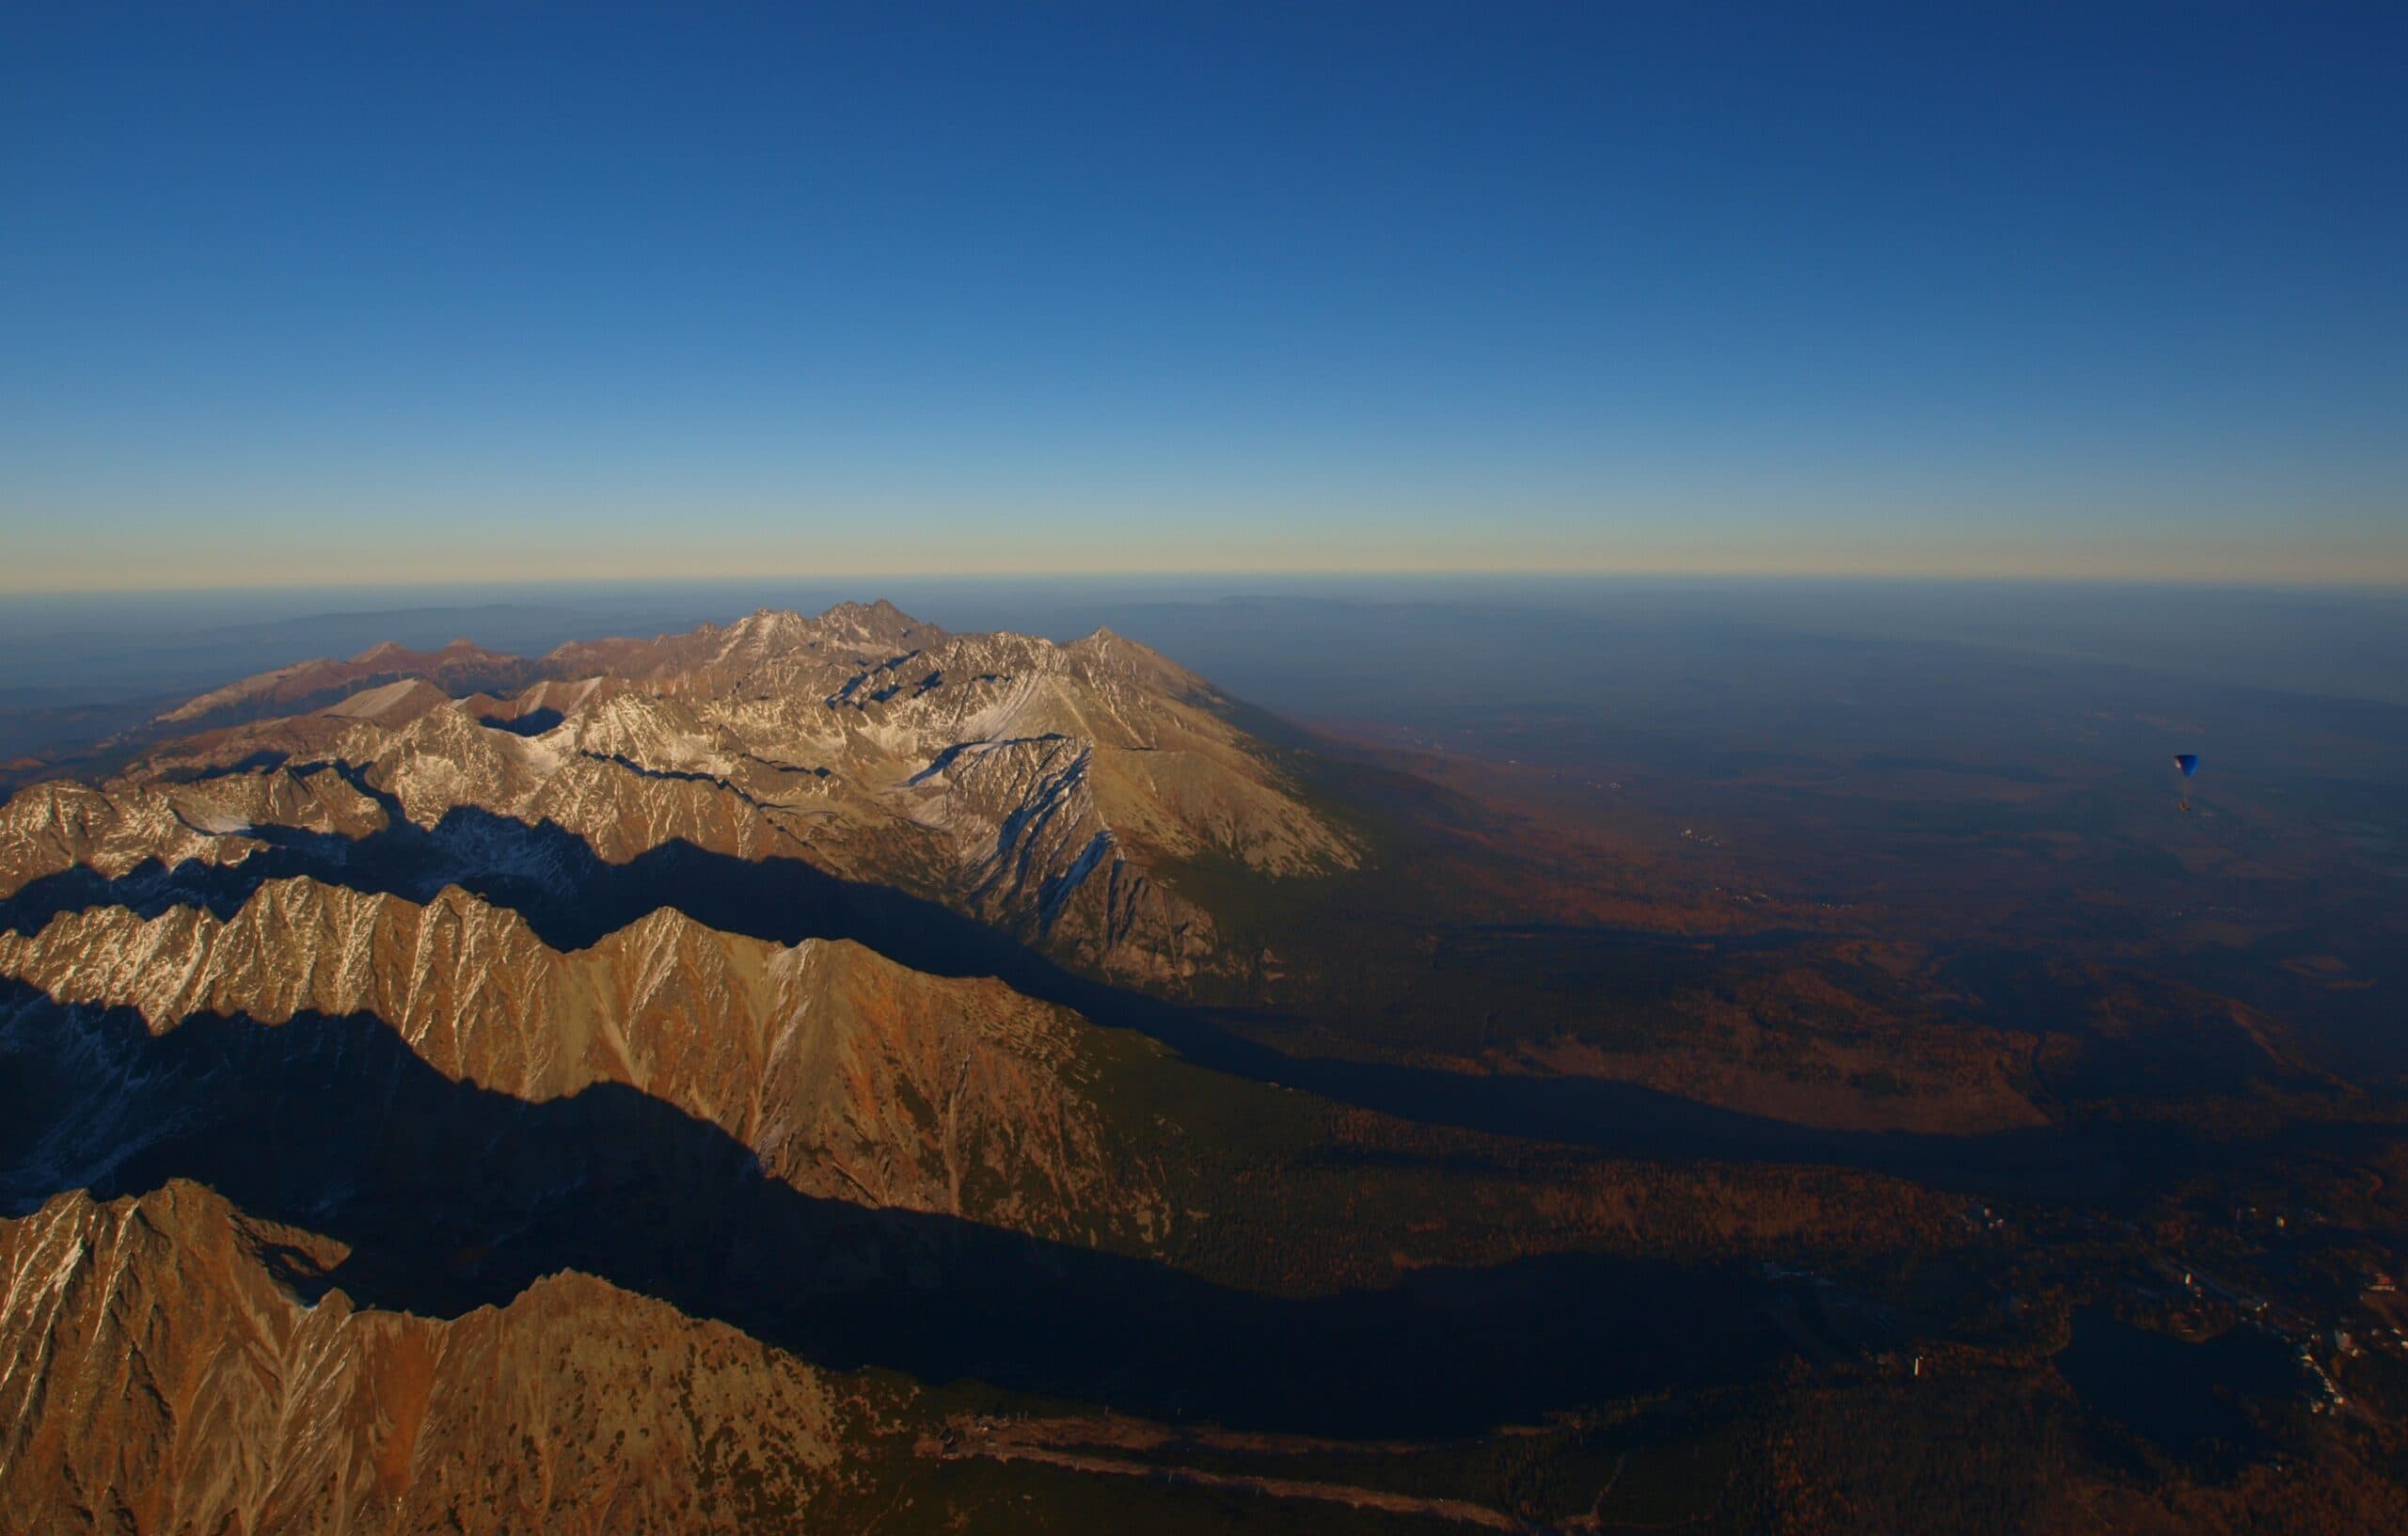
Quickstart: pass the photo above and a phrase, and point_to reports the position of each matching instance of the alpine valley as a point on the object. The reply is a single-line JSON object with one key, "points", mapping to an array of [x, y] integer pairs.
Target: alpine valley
{"points": [[830, 1073]]}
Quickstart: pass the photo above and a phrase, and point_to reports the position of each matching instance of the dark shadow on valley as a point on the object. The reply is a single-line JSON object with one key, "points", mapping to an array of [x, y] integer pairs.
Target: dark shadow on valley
{"points": [[450, 1196], [534, 722], [571, 897]]}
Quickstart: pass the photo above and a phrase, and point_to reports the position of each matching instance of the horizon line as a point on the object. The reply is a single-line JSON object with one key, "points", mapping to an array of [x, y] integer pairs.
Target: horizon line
{"points": [[2288, 583]]}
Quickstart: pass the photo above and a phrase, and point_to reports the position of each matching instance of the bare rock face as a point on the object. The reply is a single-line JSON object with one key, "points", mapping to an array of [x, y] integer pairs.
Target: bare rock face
{"points": [[160, 1379], [437, 1092], [52, 828], [1054, 792], [848, 1076]]}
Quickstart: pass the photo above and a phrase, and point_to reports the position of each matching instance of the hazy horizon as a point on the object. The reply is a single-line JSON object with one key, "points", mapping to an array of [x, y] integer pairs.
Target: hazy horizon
{"points": [[2346, 584], [2334, 642]]}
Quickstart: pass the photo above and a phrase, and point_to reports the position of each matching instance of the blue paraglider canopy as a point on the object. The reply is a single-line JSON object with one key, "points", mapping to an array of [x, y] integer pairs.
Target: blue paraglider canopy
{"points": [[2188, 761]]}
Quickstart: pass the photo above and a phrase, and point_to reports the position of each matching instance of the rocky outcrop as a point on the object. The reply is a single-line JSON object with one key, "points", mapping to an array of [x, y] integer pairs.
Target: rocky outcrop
{"points": [[1060, 793], [155, 1376], [848, 1077], [387, 1144], [61, 826]]}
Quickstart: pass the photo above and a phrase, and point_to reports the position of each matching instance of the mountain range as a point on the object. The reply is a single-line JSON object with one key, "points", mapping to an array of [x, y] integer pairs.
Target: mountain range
{"points": [[251, 963], [825, 1072]]}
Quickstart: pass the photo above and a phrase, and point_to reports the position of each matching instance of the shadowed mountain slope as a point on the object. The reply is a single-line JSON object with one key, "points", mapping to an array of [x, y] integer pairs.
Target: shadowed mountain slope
{"points": [[446, 1197], [571, 899], [845, 1075]]}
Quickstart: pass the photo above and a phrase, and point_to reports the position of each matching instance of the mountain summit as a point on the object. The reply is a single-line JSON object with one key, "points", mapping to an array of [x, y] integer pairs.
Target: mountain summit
{"points": [[1070, 796]]}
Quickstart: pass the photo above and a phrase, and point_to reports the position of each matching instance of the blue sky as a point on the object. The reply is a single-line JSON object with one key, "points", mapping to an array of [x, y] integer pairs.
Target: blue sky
{"points": [[308, 293]]}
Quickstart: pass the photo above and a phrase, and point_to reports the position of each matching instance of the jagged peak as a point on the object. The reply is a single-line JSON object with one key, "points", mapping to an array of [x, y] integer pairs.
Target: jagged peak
{"points": [[638, 706], [669, 928], [1110, 648], [875, 608], [879, 618], [767, 631], [764, 633], [300, 896], [770, 621], [59, 795], [288, 901], [455, 723], [729, 736], [1102, 641], [175, 1207], [666, 927], [664, 732], [288, 921], [279, 910]]}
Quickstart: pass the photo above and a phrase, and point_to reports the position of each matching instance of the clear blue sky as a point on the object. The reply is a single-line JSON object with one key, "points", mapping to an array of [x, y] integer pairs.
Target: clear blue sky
{"points": [[305, 293]]}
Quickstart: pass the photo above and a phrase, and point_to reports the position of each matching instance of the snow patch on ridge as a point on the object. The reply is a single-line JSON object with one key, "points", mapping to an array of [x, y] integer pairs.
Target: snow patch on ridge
{"points": [[216, 823]]}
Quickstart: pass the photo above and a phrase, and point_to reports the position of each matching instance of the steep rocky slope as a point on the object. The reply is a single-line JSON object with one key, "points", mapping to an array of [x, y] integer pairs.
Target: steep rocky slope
{"points": [[155, 1376], [1056, 792], [847, 1075], [582, 1104], [128, 825]]}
